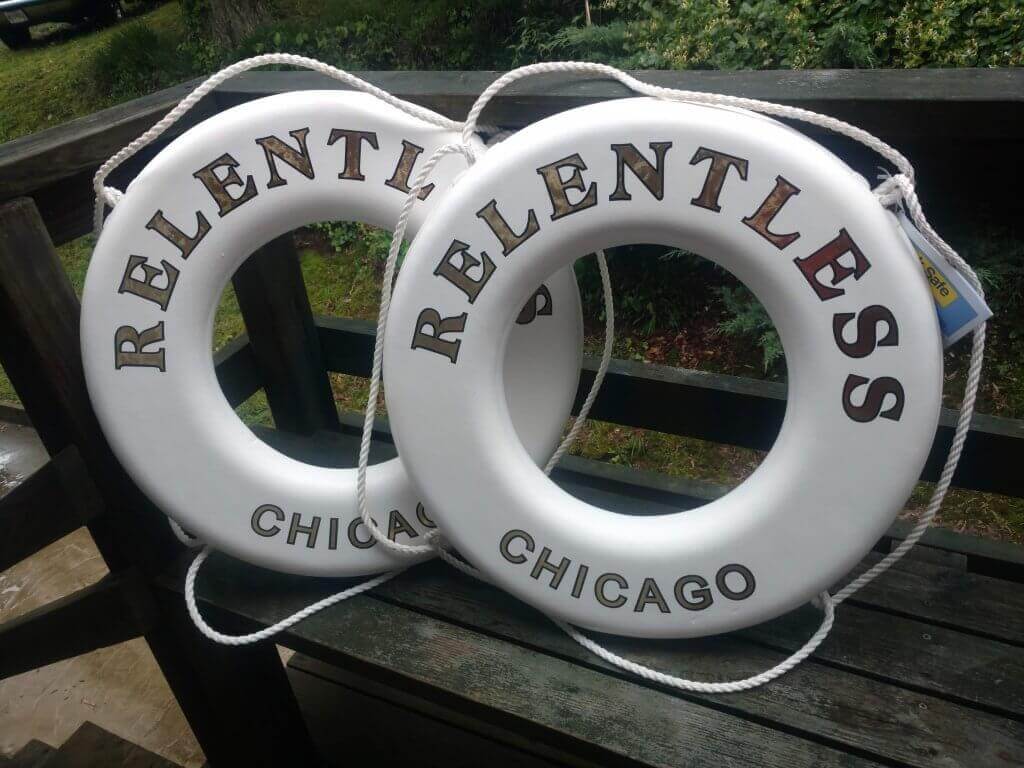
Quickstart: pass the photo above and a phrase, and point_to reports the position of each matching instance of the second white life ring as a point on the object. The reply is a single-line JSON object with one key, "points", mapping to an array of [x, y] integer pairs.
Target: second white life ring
{"points": [[185, 224], [805, 234]]}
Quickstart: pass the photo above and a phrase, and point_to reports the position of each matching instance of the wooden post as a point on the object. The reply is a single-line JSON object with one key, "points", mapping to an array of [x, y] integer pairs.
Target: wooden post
{"points": [[272, 296], [238, 703]]}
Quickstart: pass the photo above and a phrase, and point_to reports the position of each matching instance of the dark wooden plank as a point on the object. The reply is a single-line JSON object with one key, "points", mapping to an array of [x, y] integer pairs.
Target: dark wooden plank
{"points": [[722, 409], [902, 102], [989, 557], [945, 120], [544, 698], [55, 166], [981, 605], [51, 503], [273, 300], [329, 696], [115, 609], [982, 673], [846, 710]]}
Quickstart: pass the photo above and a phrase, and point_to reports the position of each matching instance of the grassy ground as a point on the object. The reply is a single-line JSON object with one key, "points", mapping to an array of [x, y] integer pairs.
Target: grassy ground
{"points": [[51, 81], [346, 283]]}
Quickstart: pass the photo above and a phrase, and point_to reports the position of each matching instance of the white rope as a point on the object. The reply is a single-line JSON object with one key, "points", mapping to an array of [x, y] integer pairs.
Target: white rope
{"points": [[899, 187], [281, 626], [109, 196], [186, 538]]}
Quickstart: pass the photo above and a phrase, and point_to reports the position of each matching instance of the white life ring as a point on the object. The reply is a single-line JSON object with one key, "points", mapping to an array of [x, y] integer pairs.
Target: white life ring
{"points": [[146, 348], [830, 265]]}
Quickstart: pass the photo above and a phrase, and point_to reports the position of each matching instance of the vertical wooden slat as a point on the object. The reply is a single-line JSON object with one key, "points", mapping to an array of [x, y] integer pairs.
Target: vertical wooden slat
{"points": [[272, 296], [225, 693]]}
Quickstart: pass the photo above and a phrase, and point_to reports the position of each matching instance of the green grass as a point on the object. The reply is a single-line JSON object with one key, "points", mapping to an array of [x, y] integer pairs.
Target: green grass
{"points": [[51, 83]]}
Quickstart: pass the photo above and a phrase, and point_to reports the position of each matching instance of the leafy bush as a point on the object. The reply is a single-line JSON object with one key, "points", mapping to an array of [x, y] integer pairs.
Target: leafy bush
{"points": [[371, 245], [748, 318], [761, 34], [138, 60]]}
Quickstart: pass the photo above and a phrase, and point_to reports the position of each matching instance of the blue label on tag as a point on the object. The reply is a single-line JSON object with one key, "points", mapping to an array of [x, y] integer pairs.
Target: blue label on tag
{"points": [[959, 307]]}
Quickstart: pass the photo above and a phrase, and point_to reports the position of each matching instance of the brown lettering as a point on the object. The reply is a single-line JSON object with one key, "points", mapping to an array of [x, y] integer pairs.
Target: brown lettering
{"points": [[353, 150], [761, 219], [138, 358], [718, 170], [298, 159], [144, 288], [557, 186], [509, 239], [652, 176], [184, 243], [218, 188], [403, 171], [438, 327], [828, 256], [459, 276]]}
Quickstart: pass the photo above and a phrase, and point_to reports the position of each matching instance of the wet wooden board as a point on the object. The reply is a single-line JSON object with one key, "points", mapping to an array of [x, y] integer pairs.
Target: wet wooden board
{"points": [[832, 704], [874, 717], [981, 605], [544, 698]]}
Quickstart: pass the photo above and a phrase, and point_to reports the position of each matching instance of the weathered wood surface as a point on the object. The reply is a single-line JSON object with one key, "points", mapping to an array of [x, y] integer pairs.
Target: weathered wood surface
{"points": [[449, 647], [546, 699], [275, 306], [115, 609], [54, 501], [912, 674]]}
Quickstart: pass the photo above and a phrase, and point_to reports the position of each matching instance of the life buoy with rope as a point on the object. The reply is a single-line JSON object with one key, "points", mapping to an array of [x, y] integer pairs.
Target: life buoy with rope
{"points": [[790, 220], [172, 243]]}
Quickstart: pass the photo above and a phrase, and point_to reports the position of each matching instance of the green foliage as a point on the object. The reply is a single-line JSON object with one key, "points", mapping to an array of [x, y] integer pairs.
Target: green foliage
{"points": [[761, 34], [137, 60], [748, 318], [369, 244], [196, 15], [405, 34]]}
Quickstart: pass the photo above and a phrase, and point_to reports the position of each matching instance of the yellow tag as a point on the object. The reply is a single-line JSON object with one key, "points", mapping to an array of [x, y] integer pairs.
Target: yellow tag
{"points": [[943, 292]]}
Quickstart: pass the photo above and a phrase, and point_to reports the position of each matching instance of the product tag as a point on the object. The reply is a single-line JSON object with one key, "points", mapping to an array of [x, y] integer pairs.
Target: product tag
{"points": [[958, 305]]}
